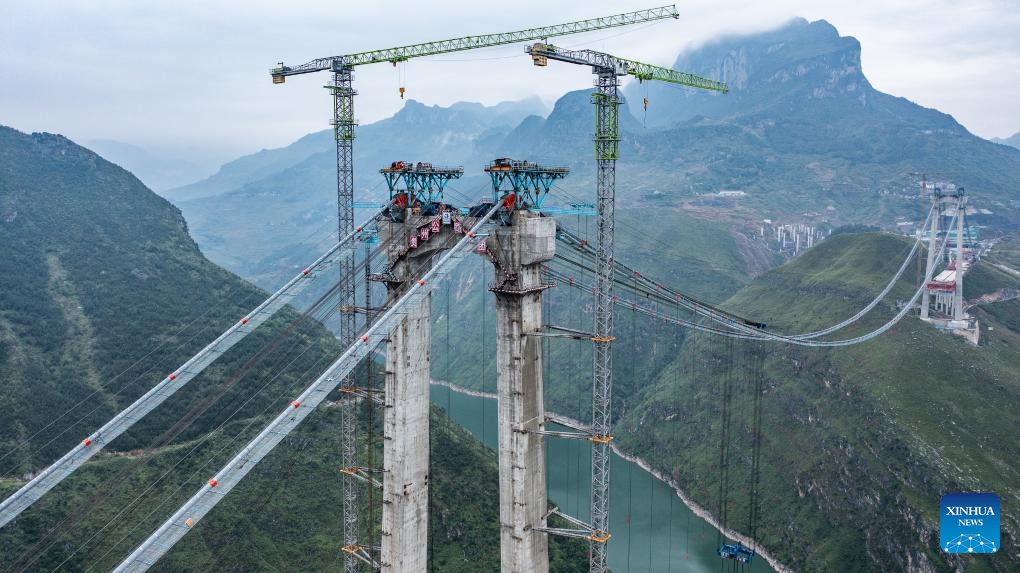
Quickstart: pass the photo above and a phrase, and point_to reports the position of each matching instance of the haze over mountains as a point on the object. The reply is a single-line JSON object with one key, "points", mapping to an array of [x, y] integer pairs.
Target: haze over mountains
{"points": [[158, 169], [440, 133], [1012, 141], [802, 133]]}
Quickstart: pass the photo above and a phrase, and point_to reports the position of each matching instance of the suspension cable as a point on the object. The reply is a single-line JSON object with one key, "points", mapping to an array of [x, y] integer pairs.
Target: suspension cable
{"points": [[746, 329], [652, 289], [320, 311], [37, 550]]}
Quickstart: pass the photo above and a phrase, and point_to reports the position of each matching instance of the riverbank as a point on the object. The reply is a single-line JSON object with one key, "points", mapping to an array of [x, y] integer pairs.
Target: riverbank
{"points": [[696, 509]]}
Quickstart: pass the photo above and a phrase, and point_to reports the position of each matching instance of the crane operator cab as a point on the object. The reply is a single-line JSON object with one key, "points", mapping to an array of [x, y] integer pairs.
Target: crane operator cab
{"points": [[737, 553]]}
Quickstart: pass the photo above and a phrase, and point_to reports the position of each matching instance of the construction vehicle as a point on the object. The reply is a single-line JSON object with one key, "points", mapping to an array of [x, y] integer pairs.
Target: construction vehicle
{"points": [[737, 552]]}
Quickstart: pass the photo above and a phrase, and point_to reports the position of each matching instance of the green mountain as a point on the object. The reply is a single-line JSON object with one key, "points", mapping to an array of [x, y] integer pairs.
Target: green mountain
{"points": [[802, 129], [98, 273], [102, 292], [858, 443]]}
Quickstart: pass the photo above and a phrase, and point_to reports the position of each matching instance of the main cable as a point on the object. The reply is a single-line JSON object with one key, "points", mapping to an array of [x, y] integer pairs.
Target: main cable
{"points": [[327, 301], [745, 328], [77, 516]]}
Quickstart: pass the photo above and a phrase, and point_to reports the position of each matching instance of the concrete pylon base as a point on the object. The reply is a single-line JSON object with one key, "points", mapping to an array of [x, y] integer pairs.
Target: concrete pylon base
{"points": [[520, 249]]}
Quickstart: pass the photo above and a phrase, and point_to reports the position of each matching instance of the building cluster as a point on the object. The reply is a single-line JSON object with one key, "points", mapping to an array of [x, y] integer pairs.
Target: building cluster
{"points": [[791, 238]]}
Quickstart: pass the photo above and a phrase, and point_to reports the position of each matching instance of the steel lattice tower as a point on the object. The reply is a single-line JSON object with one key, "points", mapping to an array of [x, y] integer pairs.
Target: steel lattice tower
{"points": [[343, 128], [606, 98], [607, 146]]}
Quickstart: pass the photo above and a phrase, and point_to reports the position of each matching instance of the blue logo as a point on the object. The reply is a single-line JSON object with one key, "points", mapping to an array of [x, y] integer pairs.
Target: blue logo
{"points": [[969, 523]]}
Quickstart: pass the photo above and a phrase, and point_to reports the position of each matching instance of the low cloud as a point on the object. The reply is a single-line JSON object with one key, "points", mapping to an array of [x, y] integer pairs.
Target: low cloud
{"points": [[195, 75]]}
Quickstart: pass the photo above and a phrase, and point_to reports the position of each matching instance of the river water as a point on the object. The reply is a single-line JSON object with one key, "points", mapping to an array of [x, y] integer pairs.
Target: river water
{"points": [[653, 531]]}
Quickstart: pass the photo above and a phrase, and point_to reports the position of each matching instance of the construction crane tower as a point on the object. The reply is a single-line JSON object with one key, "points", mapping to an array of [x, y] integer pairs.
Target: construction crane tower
{"points": [[344, 125], [608, 70]]}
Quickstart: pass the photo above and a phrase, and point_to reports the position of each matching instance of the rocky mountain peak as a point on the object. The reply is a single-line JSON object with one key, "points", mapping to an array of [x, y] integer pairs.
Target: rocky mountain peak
{"points": [[798, 61]]}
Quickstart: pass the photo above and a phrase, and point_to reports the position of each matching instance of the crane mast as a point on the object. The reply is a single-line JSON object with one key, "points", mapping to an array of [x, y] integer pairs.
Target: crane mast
{"points": [[344, 126], [608, 70]]}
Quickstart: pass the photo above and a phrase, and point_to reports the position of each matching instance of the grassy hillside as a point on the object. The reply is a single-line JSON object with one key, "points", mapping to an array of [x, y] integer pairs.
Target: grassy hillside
{"points": [[1006, 252], [859, 443]]}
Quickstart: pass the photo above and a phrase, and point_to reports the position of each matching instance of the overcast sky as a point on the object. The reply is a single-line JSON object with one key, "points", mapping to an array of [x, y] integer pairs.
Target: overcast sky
{"points": [[194, 74]]}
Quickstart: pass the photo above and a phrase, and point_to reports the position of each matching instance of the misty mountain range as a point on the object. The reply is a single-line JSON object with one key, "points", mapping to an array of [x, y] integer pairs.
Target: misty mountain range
{"points": [[802, 133], [1012, 141], [159, 170]]}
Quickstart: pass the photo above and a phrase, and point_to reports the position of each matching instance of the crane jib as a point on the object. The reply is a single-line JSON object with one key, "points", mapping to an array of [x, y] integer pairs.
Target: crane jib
{"points": [[402, 53], [621, 66]]}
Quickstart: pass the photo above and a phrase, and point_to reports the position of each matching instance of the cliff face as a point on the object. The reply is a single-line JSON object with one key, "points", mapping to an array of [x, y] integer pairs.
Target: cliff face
{"points": [[798, 62]]}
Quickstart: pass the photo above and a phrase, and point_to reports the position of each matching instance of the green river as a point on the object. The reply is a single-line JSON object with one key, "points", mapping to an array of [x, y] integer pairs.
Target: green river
{"points": [[653, 531]]}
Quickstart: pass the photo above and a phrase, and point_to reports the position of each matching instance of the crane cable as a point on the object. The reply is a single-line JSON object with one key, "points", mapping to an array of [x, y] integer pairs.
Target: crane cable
{"points": [[692, 376], [726, 383], [757, 389]]}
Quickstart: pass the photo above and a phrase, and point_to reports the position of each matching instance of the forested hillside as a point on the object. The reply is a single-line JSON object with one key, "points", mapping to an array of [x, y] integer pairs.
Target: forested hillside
{"points": [[858, 443], [102, 292]]}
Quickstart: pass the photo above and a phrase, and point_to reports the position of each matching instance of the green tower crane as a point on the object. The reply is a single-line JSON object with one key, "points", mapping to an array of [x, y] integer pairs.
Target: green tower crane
{"points": [[341, 86], [608, 70]]}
